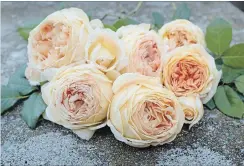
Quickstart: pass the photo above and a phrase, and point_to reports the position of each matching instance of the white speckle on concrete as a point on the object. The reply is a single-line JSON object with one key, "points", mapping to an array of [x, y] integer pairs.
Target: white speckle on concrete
{"points": [[211, 128], [192, 156], [242, 121], [242, 151], [212, 116], [45, 149]]}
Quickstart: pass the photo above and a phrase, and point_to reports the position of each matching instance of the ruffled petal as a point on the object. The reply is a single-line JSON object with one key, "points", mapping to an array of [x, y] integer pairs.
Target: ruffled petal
{"points": [[85, 134]]}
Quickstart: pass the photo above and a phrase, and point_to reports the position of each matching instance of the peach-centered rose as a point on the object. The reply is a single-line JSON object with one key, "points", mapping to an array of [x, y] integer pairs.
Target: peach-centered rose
{"points": [[78, 98], [143, 49], [188, 75], [142, 112], [180, 33], [191, 70], [57, 41]]}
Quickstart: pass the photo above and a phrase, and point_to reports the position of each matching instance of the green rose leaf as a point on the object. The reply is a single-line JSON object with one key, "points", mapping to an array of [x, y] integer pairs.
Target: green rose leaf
{"points": [[230, 74], [158, 19], [89, 17], [28, 26], [239, 82], [228, 102], [124, 22], [33, 109], [89, 14], [241, 96], [219, 63], [18, 82], [24, 31], [9, 96], [110, 27], [234, 56], [182, 12], [218, 36], [219, 67], [211, 105]]}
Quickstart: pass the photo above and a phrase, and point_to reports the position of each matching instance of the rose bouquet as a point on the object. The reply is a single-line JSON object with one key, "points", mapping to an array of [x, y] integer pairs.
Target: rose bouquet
{"points": [[143, 81]]}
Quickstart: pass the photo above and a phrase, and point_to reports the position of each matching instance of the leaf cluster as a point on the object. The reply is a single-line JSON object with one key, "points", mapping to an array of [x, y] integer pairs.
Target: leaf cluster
{"points": [[19, 89], [230, 59]]}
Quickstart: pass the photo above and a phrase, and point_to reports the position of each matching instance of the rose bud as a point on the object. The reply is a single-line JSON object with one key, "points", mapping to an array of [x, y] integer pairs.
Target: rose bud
{"points": [[193, 109]]}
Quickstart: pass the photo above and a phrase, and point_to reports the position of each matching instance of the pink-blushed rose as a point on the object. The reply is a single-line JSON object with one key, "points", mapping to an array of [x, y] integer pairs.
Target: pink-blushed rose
{"points": [[142, 112], [57, 41], [144, 50], [78, 97]]}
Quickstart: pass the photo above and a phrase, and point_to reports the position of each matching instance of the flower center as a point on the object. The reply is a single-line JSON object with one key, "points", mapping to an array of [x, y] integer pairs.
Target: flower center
{"points": [[80, 99], [178, 38], [187, 75], [146, 59], [102, 56], [51, 42], [154, 118], [189, 114], [103, 52]]}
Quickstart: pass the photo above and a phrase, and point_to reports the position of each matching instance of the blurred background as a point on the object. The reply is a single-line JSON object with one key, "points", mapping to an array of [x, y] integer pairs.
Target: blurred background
{"points": [[239, 4]]}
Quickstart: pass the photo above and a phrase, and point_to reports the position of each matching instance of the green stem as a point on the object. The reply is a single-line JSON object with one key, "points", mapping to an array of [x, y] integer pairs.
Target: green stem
{"points": [[18, 97], [23, 97], [131, 13], [105, 16], [138, 6]]}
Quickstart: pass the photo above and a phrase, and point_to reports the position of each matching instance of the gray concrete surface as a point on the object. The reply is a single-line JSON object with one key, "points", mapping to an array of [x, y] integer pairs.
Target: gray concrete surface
{"points": [[216, 140]]}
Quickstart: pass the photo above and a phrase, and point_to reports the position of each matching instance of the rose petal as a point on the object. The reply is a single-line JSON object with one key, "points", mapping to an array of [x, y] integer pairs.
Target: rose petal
{"points": [[182, 32], [112, 74], [96, 23], [84, 133], [194, 103]]}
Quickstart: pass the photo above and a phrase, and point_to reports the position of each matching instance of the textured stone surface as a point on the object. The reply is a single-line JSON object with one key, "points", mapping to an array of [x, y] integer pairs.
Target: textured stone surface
{"points": [[216, 140]]}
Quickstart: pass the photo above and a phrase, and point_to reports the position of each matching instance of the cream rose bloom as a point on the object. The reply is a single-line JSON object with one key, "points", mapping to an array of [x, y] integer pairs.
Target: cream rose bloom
{"points": [[57, 41], [180, 33], [78, 98], [191, 70], [144, 50], [104, 49], [96, 24], [193, 109], [142, 112]]}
